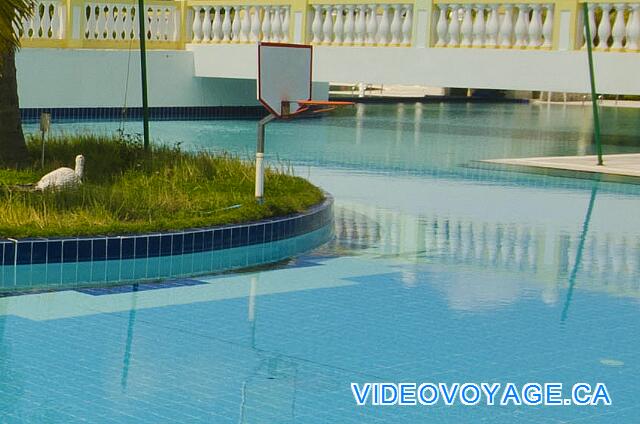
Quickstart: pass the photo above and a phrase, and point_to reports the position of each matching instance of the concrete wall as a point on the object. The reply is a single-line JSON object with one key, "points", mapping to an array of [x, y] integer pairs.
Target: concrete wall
{"points": [[98, 78], [563, 71]]}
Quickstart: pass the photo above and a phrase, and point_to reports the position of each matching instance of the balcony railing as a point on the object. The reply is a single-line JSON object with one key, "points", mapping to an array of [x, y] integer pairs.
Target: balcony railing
{"points": [[171, 24]]}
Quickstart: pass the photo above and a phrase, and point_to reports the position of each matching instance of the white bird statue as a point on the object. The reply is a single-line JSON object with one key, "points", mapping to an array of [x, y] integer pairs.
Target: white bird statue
{"points": [[63, 177]]}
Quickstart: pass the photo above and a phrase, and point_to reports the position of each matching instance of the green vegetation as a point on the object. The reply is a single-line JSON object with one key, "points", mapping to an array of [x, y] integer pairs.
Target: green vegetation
{"points": [[126, 190]]}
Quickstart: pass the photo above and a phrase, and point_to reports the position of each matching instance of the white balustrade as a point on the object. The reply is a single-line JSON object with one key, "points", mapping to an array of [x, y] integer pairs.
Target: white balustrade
{"points": [[47, 22], [119, 22], [361, 24], [493, 25], [240, 24], [614, 26]]}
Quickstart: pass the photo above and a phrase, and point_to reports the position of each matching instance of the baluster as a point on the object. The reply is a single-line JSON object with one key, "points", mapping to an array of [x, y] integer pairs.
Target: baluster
{"points": [[254, 35], [521, 26], [276, 25], [161, 28], [245, 25], [118, 24], [197, 25], [46, 20], [112, 19], [372, 25], [285, 24], [36, 22], [338, 27], [454, 27], [478, 27], [535, 27], [235, 25], [547, 28], [618, 31], [491, 30], [506, 28], [407, 24], [316, 26], [176, 24], [266, 23], [226, 25], [102, 22], [442, 26], [126, 23], [327, 26], [591, 12], [383, 28], [206, 25], [349, 25], [152, 23], [396, 26], [89, 24], [604, 29], [216, 26], [55, 21], [360, 26], [135, 24], [467, 26], [633, 29]]}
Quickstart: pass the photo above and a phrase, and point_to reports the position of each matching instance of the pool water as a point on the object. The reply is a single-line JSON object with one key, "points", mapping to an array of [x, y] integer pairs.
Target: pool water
{"points": [[440, 272]]}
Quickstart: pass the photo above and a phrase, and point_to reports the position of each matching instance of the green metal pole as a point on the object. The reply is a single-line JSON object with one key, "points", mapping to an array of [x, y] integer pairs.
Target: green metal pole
{"points": [[143, 70], [594, 96]]}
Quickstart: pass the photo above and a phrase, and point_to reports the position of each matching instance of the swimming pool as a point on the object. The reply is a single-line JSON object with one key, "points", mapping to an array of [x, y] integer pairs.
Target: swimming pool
{"points": [[440, 272]]}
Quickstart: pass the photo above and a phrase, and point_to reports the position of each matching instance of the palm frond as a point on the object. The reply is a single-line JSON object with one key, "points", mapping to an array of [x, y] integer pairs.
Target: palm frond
{"points": [[11, 14]]}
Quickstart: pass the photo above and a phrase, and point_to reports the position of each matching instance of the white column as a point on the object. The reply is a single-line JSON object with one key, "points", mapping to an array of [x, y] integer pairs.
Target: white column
{"points": [[442, 26], [90, 25], [407, 24], [604, 29], [360, 26], [286, 19], [372, 25], [46, 19], [454, 27], [467, 26], [254, 35], [521, 26], [327, 26], [197, 25], [206, 25], [349, 25], [396, 26], [478, 27], [384, 26], [235, 25], [535, 27], [55, 21], [547, 28], [506, 28], [491, 31], [591, 12], [338, 27], [316, 26], [276, 25], [266, 23], [226, 25], [245, 24], [100, 23], [619, 30], [633, 29], [216, 28]]}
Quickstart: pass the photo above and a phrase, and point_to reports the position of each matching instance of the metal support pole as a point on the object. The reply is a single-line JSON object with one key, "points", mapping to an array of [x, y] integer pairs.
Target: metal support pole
{"points": [[594, 96], [260, 157], [143, 70]]}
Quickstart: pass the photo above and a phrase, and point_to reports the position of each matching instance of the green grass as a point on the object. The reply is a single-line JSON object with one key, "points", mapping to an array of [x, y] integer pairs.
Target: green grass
{"points": [[125, 190]]}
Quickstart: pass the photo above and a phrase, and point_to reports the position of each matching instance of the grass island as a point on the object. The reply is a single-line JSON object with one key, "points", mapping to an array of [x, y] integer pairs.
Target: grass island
{"points": [[127, 190]]}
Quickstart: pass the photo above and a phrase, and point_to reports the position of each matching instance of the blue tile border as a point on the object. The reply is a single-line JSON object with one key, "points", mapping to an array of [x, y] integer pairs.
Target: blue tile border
{"points": [[35, 251], [32, 115]]}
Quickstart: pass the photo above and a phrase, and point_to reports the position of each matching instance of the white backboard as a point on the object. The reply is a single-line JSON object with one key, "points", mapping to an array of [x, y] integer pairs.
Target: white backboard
{"points": [[284, 74]]}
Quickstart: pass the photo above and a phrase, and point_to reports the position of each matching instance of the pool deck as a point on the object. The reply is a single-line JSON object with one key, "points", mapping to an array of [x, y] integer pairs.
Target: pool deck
{"points": [[622, 164]]}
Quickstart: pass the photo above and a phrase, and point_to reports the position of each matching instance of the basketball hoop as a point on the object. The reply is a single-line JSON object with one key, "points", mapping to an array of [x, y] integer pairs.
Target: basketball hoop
{"points": [[284, 89]]}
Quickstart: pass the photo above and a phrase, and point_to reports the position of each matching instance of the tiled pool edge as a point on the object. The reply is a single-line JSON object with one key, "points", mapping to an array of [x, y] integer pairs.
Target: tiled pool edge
{"points": [[79, 261]]}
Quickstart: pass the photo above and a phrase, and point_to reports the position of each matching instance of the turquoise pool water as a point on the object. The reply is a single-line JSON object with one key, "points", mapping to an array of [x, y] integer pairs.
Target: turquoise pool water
{"points": [[440, 272]]}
